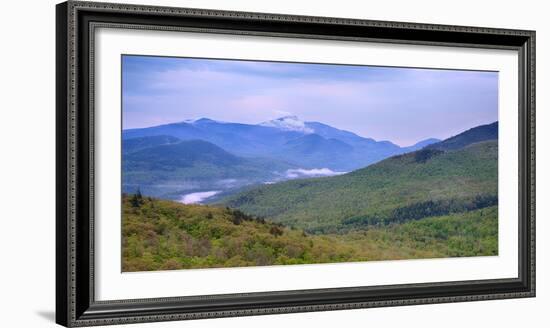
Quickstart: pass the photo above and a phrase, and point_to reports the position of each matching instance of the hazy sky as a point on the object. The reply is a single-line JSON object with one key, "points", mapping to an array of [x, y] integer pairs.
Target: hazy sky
{"points": [[403, 105]]}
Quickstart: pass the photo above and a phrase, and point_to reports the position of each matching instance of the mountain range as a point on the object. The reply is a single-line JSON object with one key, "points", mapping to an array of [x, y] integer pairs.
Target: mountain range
{"points": [[458, 174], [221, 158], [168, 167], [303, 144]]}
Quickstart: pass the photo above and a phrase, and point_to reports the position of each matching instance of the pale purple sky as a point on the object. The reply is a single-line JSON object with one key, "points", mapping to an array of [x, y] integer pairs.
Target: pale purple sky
{"points": [[403, 105]]}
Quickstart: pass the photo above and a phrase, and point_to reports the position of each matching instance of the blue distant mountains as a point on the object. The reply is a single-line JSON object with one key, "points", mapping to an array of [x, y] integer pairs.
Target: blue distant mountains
{"points": [[204, 155], [302, 144]]}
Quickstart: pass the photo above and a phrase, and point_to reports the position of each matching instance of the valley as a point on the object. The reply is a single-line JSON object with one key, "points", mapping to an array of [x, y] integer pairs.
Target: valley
{"points": [[172, 160], [320, 195]]}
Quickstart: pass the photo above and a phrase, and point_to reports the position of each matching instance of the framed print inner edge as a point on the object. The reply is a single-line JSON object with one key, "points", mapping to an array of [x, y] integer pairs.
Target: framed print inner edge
{"points": [[106, 98]]}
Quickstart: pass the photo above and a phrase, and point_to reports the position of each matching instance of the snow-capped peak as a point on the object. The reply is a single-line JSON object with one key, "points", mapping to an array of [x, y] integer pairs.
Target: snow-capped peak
{"points": [[201, 120], [288, 123]]}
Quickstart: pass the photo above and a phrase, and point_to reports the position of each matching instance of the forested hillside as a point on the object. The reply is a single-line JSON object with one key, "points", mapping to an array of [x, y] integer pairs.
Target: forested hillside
{"points": [[406, 187], [165, 235]]}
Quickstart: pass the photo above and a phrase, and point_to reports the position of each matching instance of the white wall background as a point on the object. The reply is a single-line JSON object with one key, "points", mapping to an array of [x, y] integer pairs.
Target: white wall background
{"points": [[27, 181]]}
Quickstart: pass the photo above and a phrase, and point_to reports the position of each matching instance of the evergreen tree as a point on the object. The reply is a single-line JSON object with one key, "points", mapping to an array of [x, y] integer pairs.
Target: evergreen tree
{"points": [[137, 199]]}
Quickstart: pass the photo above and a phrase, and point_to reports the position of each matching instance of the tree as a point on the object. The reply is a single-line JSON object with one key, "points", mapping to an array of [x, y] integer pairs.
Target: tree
{"points": [[137, 199]]}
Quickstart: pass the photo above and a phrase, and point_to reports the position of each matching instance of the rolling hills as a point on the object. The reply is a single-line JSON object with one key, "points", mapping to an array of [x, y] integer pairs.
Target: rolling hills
{"points": [[170, 169], [165, 235], [437, 180]]}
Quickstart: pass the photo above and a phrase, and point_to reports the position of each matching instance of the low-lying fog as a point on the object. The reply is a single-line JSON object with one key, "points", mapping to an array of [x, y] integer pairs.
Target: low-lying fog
{"points": [[228, 184]]}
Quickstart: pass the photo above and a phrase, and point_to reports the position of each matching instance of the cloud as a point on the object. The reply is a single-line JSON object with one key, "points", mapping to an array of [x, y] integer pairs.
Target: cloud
{"points": [[305, 173], [197, 197]]}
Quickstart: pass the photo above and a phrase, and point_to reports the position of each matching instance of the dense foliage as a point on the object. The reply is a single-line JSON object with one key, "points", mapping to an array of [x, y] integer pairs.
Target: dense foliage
{"points": [[389, 191], [422, 210], [164, 235]]}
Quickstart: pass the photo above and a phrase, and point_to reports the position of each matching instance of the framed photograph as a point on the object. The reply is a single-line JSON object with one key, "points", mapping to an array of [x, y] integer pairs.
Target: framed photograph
{"points": [[214, 163]]}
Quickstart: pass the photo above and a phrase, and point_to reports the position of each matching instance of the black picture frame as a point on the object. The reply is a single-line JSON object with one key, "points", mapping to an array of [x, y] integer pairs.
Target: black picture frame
{"points": [[75, 302]]}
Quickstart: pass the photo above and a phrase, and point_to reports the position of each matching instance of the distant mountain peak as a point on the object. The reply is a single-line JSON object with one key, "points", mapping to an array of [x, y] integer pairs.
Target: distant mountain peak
{"points": [[289, 117], [422, 144], [201, 120], [190, 120], [288, 123], [476, 134]]}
